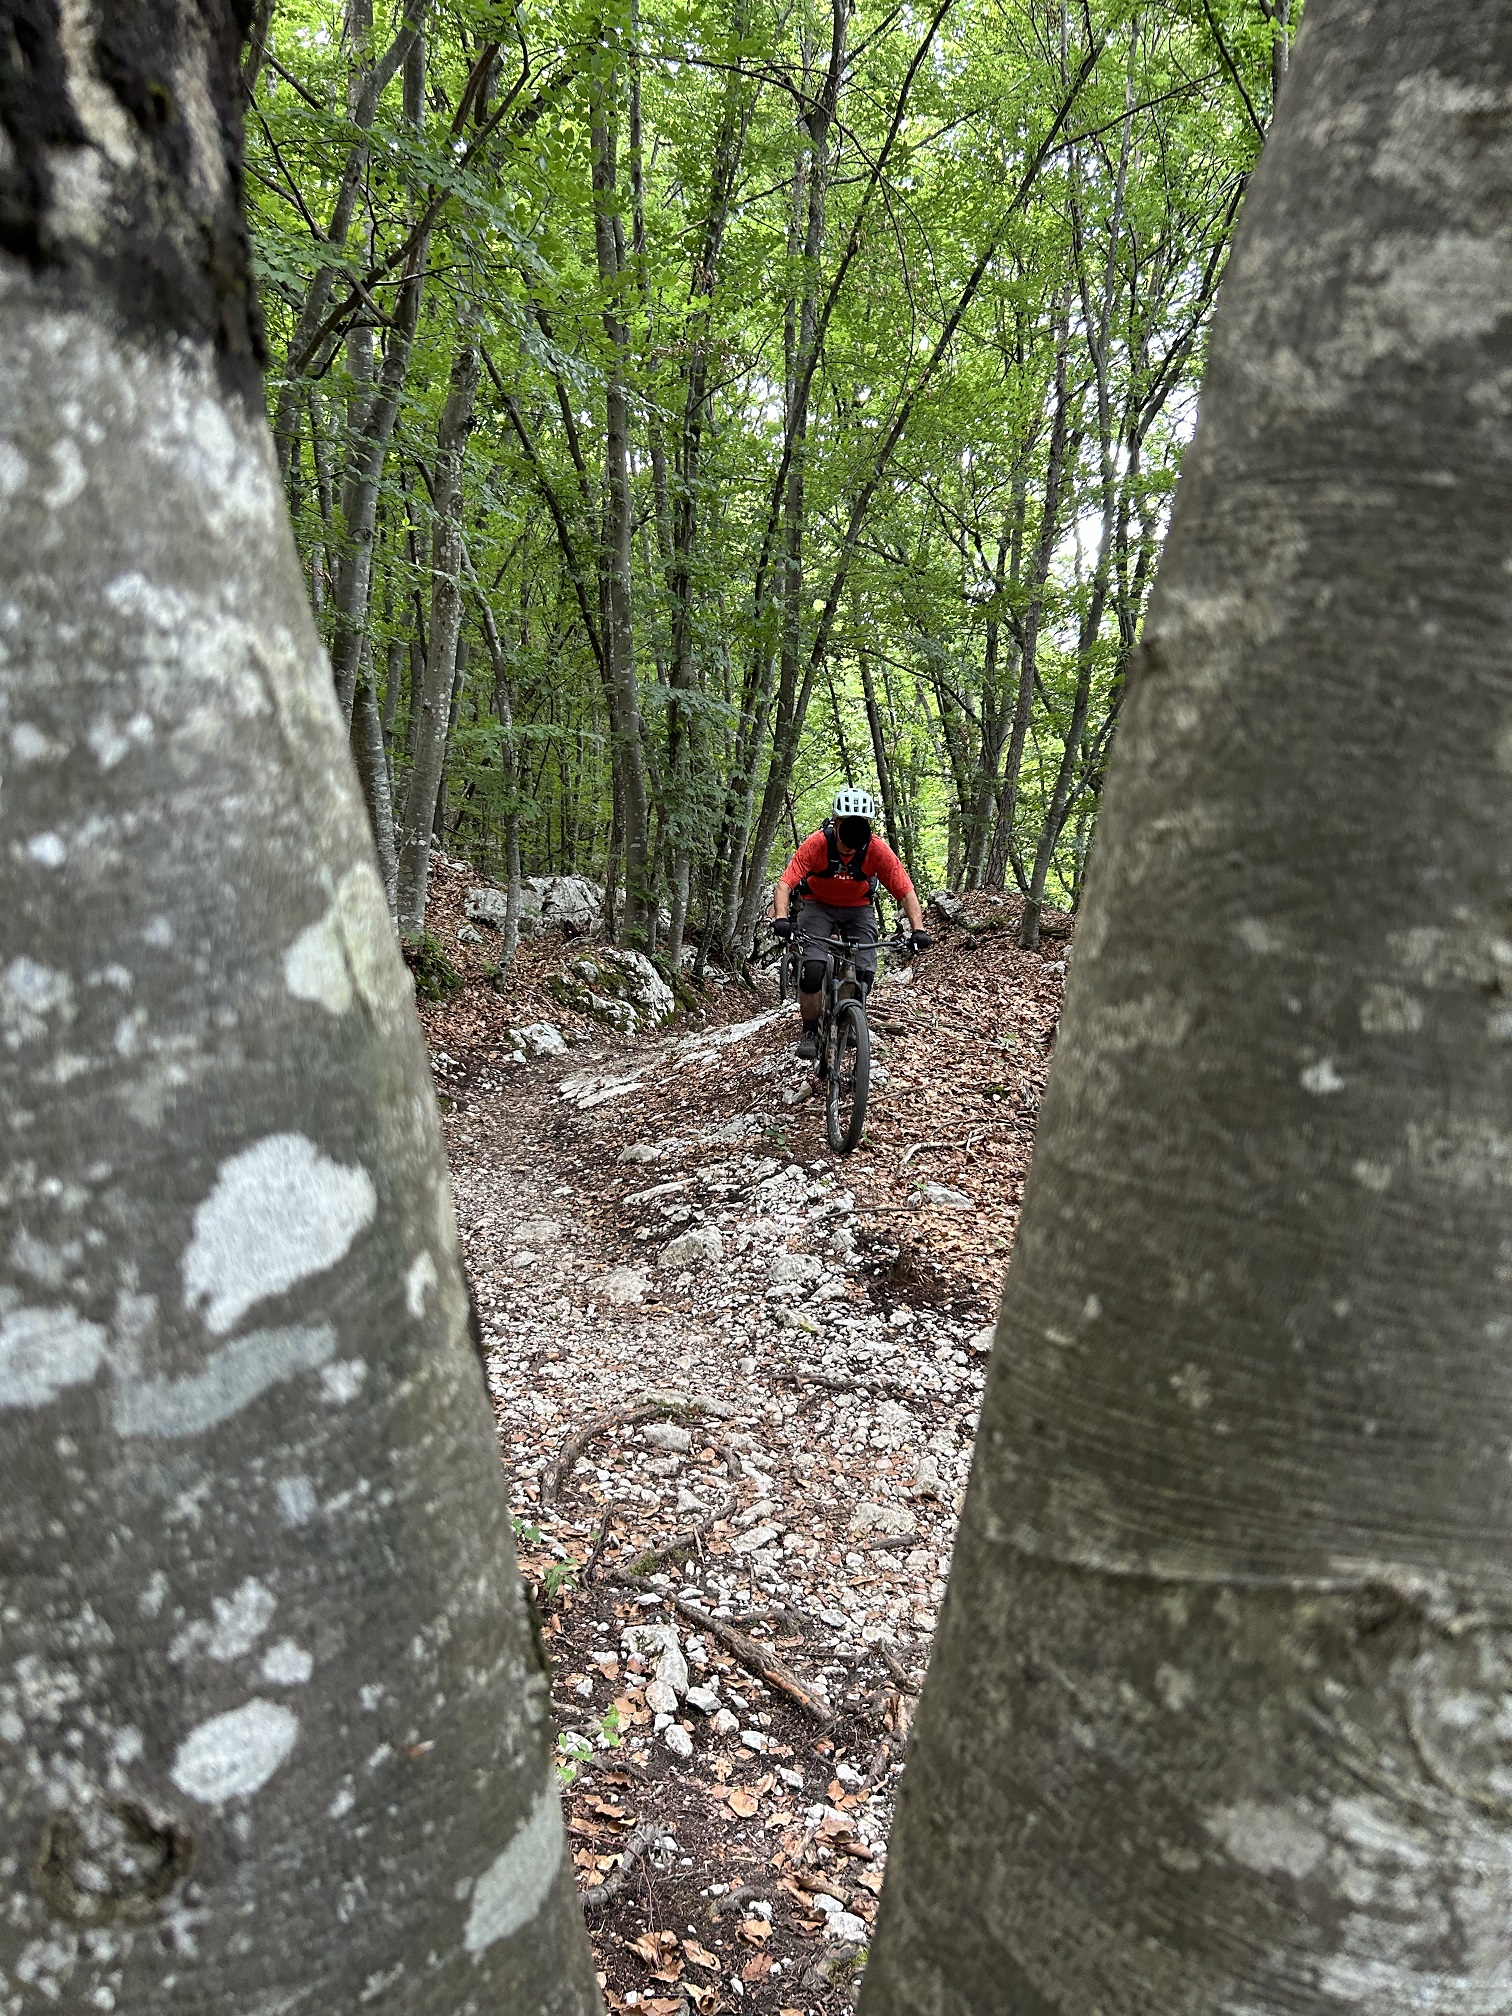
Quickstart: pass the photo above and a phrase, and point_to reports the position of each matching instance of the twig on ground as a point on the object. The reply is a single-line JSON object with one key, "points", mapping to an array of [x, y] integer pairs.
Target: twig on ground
{"points": [[602, 1760], [925, 1148], [872, 1389], [889, 1540], [689, 1537], [559, 1469], [757, 1659], [598, 1542], [732, 1900], [615, 1760], [897, 1669], [822, 1883], [644, 1841]]}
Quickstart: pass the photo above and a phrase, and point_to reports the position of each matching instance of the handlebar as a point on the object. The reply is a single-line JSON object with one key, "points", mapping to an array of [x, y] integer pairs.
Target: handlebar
{"points": [[899, 943]]}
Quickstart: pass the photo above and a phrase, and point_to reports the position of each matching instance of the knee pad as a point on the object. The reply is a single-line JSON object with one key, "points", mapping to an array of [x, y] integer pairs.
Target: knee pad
{"points": [[813, 976]]}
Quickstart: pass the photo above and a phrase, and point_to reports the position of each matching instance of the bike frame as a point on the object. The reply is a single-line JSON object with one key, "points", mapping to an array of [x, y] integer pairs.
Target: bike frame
{"points": [[839, 975]]}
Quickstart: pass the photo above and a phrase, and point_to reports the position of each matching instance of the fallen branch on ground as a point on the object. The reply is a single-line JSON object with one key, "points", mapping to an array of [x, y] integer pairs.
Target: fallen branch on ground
{"points": [[896, 1667], [870, 1389], [559, 1469], [755, 1658], [644, 1841], [924, 1148], [598, 1543], [732, 1900], [690, 1536]]}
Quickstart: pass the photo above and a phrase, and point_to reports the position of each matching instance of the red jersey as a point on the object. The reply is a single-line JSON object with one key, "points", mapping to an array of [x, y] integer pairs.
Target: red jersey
{"points": [[812, 859]]}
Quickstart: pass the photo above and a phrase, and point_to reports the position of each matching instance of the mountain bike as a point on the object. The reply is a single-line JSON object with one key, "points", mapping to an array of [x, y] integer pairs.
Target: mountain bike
{"points": [[844, 1064], [787, 970]]}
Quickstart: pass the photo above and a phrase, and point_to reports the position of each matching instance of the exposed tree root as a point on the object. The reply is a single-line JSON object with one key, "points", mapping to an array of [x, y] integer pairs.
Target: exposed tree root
{"points": [[559, 1469]]}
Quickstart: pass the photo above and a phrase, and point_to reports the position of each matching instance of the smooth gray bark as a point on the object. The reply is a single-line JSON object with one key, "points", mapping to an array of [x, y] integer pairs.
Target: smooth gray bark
{"points": [[616, 620], [273, 1728], [1217, 1719], [377, 793], [432, 707], [509, 764]]}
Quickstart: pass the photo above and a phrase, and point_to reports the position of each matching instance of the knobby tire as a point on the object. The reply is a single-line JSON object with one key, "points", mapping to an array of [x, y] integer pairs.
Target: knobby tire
{"points": [[848, 1075]]}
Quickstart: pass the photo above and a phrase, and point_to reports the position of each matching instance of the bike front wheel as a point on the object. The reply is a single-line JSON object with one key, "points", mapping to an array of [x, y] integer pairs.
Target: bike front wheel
{"points": [[787, 972], [849, 1077]]}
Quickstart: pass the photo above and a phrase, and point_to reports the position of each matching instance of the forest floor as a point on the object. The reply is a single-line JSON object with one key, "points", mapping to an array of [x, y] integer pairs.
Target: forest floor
{"points": [[736, 1473]]}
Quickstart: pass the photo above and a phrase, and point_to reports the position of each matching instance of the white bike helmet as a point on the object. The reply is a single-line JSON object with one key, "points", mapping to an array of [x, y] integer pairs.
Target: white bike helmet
{"points": [[851, 804]]}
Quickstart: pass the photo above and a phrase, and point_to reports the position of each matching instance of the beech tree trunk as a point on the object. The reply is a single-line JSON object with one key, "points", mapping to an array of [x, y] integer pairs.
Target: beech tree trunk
{"points": [[273, 1728], [368, 441], [434, 702], [617, 624], [1217, 1718], [377, 793]]}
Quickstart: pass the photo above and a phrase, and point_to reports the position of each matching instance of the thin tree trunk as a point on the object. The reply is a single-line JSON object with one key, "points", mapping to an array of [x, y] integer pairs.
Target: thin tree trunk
{"points": [[1060, 455], [439, 819], [365, 90], [369, 446], [377, 790], [432, 713], [894, 831], [508, 763], [682, 763], [257, 48], [1224, 1660], [251, 1481], [616, 621]]}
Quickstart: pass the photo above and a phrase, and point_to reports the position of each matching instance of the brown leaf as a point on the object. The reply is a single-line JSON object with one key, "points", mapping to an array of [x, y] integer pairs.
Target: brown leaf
{"points": [[757, 1967], [700, 1955], [755, 1929], [743, 1802]]}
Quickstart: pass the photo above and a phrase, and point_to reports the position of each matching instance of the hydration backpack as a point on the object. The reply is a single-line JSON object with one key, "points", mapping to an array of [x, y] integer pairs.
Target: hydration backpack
{"points": [[835, 866]]}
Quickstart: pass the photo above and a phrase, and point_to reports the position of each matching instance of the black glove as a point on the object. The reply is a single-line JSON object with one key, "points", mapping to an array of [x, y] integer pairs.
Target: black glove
{"points": [[782, 927], [921, 941]]}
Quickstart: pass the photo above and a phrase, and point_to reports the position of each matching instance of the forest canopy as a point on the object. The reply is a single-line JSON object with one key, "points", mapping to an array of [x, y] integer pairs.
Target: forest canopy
{"points": [[685, 408]]}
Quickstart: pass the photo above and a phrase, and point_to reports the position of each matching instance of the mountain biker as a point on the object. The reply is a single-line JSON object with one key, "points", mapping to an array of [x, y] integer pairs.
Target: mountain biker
{"points": [[835, 872]]}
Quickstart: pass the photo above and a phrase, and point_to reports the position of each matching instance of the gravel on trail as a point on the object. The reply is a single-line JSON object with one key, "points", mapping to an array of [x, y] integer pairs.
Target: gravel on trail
{"points": [[736, 1379]]}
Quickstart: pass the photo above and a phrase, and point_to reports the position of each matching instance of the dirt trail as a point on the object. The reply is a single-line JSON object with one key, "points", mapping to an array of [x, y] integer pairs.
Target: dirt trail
{"points": [[658, 1230]]}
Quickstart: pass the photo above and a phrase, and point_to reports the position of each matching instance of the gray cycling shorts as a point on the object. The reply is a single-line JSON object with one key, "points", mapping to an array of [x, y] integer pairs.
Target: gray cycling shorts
{"points": [[855, 922]]}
